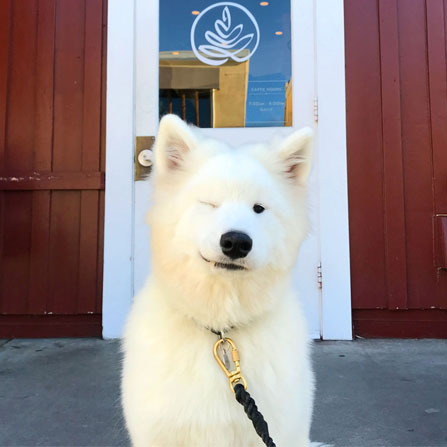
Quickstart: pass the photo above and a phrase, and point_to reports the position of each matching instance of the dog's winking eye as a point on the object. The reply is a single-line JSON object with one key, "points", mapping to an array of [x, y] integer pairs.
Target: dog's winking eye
{"points": [[258, 209], [211, 204]]}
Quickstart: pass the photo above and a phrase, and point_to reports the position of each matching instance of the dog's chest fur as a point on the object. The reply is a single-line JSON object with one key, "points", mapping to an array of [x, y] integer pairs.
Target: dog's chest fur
{"points": [[173, 387]]}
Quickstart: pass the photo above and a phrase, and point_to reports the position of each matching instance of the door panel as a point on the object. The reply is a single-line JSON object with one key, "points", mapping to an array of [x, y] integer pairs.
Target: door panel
{"points": [[418, 155], [51, 166], [397, 135], [365, 155]]}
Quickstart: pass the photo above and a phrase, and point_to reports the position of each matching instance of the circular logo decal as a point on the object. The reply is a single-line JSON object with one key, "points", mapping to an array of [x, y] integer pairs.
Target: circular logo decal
{"points": [[224, 31]]}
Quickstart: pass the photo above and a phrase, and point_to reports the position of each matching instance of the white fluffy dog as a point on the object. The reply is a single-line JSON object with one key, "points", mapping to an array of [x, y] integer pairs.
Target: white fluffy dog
{"points": [[226, 226]]}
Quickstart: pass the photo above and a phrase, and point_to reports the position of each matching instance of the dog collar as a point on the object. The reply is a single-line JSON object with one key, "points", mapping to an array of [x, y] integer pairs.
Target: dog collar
{"points": [[221, 333]]}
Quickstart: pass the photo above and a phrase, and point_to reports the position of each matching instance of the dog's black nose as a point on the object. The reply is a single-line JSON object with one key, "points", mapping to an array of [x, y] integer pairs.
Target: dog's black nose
{"points": [[236, 244]]}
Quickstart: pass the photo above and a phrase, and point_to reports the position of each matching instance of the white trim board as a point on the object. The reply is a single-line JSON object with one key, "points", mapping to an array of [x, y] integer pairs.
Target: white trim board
{"points": [[336, 323], [119, 190]]}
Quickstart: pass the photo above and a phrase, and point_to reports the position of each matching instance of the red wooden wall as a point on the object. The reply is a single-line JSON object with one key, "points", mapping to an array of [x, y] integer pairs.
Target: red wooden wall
{"points": [[52, 111], [396, 81]]}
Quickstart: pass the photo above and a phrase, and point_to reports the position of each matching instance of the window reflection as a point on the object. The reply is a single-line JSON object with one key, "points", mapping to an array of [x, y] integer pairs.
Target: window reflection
{"points": [[226, 64]]}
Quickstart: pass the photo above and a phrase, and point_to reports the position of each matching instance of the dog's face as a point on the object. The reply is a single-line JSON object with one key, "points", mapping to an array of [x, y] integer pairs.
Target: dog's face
{"points": [[225, 211], [225, 214]]}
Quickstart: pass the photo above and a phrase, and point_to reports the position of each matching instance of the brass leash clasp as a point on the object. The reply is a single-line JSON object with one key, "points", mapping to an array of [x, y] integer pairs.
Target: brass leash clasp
{"points": [[234, 376]]}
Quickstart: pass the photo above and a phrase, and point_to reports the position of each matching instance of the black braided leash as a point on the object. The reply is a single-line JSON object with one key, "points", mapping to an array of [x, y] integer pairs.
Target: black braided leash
{"points": [[251, 410]]}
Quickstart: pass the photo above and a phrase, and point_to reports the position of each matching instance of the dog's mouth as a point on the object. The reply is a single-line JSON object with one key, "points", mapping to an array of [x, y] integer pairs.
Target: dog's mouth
{"points": [[224, 265]]}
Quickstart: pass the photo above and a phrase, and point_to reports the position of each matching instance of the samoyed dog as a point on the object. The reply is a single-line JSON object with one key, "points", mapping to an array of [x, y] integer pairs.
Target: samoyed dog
{"points": [[226, 226]]}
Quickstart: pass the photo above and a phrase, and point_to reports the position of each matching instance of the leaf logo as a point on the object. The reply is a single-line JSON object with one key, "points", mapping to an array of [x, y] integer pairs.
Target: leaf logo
{"points": [[225, 42]]}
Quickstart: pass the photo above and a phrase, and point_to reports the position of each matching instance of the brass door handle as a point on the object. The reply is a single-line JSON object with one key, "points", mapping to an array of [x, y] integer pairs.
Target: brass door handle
{"points": [[145, 158]]}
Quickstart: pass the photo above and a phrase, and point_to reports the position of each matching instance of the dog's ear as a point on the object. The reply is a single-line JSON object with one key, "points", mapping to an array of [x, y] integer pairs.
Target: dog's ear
{"points": [[174, 140], [295, 154]]}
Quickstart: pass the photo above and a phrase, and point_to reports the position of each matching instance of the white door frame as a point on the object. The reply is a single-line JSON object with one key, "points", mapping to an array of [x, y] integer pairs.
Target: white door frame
{"points": [[330, 165], [336, 321]]}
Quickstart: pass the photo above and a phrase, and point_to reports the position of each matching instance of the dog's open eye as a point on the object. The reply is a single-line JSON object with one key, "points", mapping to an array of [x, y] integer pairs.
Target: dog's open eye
{"points": [[211, 204], [258, 209]]}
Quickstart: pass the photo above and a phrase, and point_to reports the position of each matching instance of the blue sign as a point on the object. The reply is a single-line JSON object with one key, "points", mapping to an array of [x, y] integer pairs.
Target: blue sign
{"points": [[265, 103]]}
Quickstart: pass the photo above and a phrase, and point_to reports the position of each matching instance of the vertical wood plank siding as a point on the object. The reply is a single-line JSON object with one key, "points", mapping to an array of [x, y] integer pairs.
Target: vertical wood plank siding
{"points": [[52, 111], [396, 83]]}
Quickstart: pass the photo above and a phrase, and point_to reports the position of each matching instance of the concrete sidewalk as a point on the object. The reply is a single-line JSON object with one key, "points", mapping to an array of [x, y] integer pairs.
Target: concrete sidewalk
{"points": [[387, 393]]}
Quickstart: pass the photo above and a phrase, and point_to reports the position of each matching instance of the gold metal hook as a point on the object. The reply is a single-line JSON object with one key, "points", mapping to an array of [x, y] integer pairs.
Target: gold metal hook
{"points": [[234, 376]]}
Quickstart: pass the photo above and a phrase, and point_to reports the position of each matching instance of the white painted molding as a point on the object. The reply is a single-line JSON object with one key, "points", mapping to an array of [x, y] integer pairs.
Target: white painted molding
{"points": [[332, 171], [146, 124], [118, 231]]}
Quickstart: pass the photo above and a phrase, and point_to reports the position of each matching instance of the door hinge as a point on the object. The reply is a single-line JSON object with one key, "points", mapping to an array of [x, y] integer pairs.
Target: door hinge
{"points": [[319, 276], [316, 109]]}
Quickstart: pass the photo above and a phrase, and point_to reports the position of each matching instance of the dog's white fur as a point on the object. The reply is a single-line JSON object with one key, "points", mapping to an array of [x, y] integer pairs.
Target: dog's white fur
{"points": [[173, 392]]}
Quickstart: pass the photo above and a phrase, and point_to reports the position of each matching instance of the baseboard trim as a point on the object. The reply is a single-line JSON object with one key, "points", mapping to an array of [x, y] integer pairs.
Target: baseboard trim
{"points": [[50, 326], [384, 323]]}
